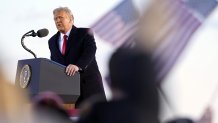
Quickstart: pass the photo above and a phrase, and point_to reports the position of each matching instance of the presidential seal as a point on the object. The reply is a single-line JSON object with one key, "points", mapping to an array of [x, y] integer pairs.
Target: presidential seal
{"points": [[25, 76]]}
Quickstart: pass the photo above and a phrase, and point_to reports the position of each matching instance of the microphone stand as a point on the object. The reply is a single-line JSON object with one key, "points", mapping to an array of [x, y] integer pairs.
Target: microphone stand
{"points": [[22, 42]]}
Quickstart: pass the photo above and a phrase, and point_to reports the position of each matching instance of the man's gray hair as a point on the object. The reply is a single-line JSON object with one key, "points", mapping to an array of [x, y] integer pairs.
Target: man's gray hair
{"points": [[65, 9]]}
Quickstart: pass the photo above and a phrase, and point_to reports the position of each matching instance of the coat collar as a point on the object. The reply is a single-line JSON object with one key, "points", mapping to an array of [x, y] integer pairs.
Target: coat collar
{"points": [[72, 38]]}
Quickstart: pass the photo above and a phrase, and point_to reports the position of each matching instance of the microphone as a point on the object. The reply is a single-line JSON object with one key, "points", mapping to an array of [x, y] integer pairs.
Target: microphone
{"points": [[40, 33]]}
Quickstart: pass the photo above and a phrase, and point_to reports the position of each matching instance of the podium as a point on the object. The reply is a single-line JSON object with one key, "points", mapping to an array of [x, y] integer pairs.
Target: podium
{"points": [[41, 74]]}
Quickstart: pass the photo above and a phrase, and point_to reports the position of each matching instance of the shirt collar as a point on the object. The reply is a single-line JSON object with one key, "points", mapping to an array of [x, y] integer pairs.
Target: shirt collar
{"points": [[68, 33]]}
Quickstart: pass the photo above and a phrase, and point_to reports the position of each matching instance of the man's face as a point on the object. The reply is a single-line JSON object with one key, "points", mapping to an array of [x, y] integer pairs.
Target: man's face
{"points": [[62, 21]]}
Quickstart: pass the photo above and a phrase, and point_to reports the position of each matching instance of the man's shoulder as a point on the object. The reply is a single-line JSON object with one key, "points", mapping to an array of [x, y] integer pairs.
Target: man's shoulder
{"points": [[84, 30], [53, 38]]}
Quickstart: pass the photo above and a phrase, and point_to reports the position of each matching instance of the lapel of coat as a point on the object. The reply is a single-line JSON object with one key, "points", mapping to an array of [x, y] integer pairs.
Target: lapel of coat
{"points": [[57, 44], [71, 40]]}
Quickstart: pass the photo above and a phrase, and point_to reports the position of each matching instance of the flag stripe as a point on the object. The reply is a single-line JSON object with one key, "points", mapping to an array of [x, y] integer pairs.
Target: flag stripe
{"points": [[173, 31], [166, 55], [106, 24], [124, 35], [102, 21], [118, 24], [111, 30], [174, 53]]}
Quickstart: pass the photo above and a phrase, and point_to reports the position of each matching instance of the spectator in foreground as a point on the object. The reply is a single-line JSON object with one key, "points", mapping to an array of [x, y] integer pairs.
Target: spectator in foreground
{"points": [[134, 95], [48, 107], [14, 102]]}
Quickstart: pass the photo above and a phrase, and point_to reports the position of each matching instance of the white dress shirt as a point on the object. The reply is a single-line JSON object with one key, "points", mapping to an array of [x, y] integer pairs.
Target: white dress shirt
{"points": [[61, 39]]}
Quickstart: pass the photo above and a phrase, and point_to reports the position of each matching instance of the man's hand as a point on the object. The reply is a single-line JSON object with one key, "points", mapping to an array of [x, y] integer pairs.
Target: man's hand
{"points": [[71, 69]]}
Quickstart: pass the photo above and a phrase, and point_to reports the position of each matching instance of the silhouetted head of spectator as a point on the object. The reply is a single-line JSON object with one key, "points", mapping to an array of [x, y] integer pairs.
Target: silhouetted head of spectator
{"points": [[181, 120], [48, 99], [132, 72], [49, 106]]}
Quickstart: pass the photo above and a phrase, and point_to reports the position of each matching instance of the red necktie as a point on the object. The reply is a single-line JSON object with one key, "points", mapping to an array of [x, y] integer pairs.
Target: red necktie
{"points": [[64, 45]]}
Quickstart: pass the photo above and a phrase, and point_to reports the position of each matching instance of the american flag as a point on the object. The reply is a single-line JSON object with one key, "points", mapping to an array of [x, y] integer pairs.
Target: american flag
{"points": [[117, 25], [169, 24], [183, 18]]}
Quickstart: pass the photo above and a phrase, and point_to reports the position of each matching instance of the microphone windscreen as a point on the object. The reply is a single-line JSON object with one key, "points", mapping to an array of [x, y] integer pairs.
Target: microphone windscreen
{"points": [[42, 32]]}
